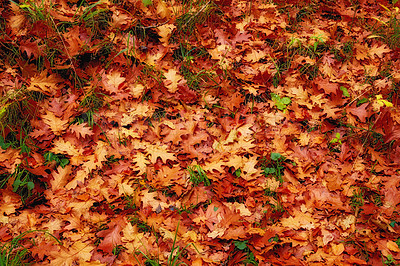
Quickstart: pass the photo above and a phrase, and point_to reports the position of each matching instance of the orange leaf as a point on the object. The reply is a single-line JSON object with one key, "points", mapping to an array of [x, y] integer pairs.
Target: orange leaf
{"points": [[60, 177], [81, 130], [337, 249], [57, 125], [44, 84]]}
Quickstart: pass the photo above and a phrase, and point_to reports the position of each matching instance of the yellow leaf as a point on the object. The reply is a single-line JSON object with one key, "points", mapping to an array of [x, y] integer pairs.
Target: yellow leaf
{"points": [[165, 31], [383, 102], [251, 89], [337, 249], [141, 162], [168, 234], [391, 245], [155, 151]]}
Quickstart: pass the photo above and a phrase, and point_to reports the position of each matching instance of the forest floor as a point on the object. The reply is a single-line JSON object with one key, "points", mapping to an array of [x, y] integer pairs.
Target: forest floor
{"points": [[221, 132]]}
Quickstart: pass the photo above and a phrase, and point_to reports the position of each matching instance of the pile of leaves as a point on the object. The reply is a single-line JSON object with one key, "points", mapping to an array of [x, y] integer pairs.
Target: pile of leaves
{"points": [[220, 132]]}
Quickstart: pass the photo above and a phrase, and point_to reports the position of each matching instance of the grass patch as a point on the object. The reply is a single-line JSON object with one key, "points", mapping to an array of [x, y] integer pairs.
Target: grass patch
{"points": [[198, 175], [23, 182], [13, 253]]}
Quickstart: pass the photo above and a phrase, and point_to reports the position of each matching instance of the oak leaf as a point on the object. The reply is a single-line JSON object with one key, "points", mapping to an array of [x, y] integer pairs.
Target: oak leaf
{"points": [[78, 253], [172, 80], [112, 238], [61, 177], [66, 147], [159, 151], [359, 111], [378, 51], [81, 130], [44, 83], [141, 163], [112, 81], [56, 124], [300, 220]]}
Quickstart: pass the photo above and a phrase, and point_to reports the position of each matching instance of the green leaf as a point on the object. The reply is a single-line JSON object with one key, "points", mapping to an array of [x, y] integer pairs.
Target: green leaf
{"points": [[280, 103], [345, 91], [17, 183], [4, 145], [64, 162], [147, 2], [275, 156], [363, 100], [268, 170], [280, 106], [275, 238], [238, 172], [241, 245], [49, 156], [275, 97], [30, 185], [286, 100]]}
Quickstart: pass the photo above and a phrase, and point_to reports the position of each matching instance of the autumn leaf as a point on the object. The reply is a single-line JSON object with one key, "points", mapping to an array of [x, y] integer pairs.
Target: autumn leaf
{"points": [[81, 130], [378, 51], [78, 252], [111, 238], [112, 81], [57, 125], [60, 177], [172, 79], [290, 110], [44, 83], [159, 151]]}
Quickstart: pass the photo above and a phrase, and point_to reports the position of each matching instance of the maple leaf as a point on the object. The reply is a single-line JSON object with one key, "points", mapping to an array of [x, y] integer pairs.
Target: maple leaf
{"points": [[43, 248]]}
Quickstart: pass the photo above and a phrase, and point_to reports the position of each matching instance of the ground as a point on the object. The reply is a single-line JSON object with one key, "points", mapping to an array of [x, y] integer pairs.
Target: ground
{"points": [[150, 132]]}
